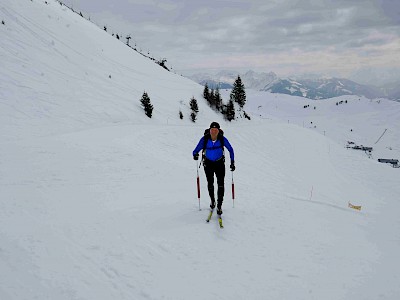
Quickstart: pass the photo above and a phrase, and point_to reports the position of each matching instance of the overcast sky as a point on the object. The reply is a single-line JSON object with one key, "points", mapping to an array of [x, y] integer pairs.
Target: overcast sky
{"points": [[333, 37]]}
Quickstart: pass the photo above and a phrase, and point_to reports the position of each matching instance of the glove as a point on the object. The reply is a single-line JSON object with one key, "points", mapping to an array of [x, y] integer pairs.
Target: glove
{"points": [[232, 166], [196, 156]]}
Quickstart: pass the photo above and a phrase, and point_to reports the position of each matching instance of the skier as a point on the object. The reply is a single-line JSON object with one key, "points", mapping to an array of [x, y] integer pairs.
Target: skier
{"points": [[212, 144]]}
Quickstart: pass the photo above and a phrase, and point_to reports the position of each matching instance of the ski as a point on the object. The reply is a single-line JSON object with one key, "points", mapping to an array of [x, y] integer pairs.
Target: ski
{"points": [[219, 219], [220, 222], [209, 215]]}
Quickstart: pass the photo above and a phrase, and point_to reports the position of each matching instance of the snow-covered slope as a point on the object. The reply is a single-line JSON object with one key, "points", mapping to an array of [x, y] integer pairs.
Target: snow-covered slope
{"points": [[342, 119], [56, 66], [99, 202]]}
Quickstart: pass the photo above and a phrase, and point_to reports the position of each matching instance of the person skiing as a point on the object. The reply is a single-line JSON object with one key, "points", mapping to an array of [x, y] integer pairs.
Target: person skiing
{"points": [[212, 144]]}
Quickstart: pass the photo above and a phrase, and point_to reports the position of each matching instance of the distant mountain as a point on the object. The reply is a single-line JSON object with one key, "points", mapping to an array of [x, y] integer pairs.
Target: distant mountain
{"points": [[214, 84], [225, 79], [379, 77], [258, 81], [322, 88], [312, 88], [392, 91]]}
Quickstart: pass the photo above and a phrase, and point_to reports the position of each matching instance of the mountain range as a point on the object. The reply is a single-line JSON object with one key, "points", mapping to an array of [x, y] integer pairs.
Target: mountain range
{"points": [[312, 88]]}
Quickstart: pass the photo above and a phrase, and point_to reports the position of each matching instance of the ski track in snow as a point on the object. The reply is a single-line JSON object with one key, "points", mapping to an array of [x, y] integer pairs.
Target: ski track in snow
{"points": [[154, 226]]}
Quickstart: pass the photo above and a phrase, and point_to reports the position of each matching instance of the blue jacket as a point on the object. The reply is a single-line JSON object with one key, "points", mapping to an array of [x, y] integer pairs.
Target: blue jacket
{"points": [[214, 150]]}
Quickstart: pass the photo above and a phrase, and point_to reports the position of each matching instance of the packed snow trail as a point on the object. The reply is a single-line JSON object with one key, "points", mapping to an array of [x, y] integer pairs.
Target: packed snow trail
{"points": [[108, 213]]}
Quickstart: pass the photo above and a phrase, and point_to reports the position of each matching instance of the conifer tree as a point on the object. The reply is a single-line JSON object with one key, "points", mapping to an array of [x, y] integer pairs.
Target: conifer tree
{"points": [[238, 93], [193, 105], [195, 109], [217, 99], [206, 92], [146, 104], [211, 100], [230, 111], [193, 116]]}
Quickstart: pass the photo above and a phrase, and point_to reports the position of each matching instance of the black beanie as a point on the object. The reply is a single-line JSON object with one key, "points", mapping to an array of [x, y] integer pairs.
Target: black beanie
{"points": [[215, 125]]}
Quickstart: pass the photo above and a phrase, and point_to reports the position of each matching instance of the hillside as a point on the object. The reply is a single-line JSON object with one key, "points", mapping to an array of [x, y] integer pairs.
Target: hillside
{"points": [[97, 201], [57, 67]]}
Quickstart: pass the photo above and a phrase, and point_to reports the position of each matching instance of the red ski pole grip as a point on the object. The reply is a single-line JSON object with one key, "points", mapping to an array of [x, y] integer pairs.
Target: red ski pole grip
{"points": [[198, 187]]}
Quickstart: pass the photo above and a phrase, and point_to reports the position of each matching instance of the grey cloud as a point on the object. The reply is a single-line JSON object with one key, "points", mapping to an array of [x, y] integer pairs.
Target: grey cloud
{"points": [[190, 30], [391, 9], [373, 41], [213, 10]]}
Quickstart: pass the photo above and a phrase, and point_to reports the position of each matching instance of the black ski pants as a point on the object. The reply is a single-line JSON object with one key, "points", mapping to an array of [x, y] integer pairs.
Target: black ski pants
{"points": [[217, 168]]}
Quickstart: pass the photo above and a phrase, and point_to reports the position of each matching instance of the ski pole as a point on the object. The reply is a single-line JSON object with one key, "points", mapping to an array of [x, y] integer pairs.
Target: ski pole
{"points": [[198, 184], [233, 191]]}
